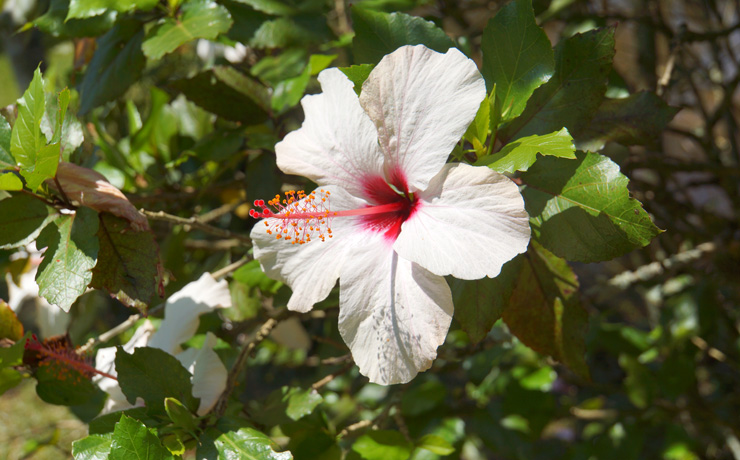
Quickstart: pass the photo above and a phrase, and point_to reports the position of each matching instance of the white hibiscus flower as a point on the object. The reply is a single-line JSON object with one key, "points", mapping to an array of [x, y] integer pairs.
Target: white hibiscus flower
{"points": [[181, 318], [394, 217]]}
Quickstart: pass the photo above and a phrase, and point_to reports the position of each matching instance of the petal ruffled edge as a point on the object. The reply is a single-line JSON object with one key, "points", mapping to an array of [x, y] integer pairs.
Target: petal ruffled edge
{"points": [[468, 223], [421, 102], [337, 143], [393, 314]]}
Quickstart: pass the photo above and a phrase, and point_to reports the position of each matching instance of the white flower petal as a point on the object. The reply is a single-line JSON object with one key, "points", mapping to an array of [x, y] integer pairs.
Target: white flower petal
{"points": [[311, 270], [209, 373], [183, 309], [469, 222], [421, 102], [337, 143], [393, 313], [105, 362]]}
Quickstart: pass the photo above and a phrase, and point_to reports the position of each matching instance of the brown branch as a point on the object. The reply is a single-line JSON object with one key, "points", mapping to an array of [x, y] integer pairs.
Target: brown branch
{"points": [[195, 222]]}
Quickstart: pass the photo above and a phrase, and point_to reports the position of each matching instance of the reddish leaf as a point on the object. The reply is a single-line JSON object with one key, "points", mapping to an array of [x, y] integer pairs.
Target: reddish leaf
{"points": [[128, 265]]}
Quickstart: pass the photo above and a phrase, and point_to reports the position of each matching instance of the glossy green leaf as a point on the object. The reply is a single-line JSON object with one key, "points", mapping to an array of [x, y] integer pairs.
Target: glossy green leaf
{"points": [[358, 74], [378, 34], [287, 31], [23, 218], [382, 445], [636, 120], [92, 447], [197, 19], [60, 125], [480, 303], [517, 58], [520, 154], [117, 63], [435, 444], [244, 85], [88, 8], [247, 21], [54, 22], [574, 93], [545, 311], [477, 132], [106, 423], [153, 375], [581, 209], [37, 160], [72, 250], [6, 159], [133, 440], [128, 262], [288, 92], [247, 444], [218, 96]]}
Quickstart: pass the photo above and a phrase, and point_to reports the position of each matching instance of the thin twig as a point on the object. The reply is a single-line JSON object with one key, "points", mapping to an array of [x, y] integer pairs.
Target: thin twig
{"points": [[332, 376], [230, 268], [195, 222], [262, 333]]}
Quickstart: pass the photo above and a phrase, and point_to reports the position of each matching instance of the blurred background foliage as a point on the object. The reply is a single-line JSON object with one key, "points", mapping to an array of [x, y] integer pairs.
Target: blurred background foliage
{"points": [[663, 345]]}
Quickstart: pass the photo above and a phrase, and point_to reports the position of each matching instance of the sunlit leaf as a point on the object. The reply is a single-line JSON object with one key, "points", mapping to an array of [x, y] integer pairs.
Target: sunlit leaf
{"points": [[10, 327], [520, 154], [198, 19], [382, 445], [581, 209], [72, 250], [89, 8], [133, 440], [92, 447], [358, 74], [54, 22], [244, 443]]}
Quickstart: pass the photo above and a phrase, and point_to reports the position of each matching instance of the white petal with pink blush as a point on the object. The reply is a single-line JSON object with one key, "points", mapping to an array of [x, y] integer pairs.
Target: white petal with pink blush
{"points": [[390, 218]]}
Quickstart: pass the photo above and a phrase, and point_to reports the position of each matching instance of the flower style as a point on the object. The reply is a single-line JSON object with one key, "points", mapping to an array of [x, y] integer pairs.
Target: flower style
{"points": [[394, 217]]}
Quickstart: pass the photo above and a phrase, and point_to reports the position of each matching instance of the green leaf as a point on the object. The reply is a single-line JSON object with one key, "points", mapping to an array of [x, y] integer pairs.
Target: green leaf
{"points": [[132, 440], [37, 160], [273, 7], [88, 8], [636, 120], [6, 159], [358, 74], [480, 303], [244, 85], [288, 92], [61, 126], [62, 104], [640, 384], [517, 57], [252, 275], [477, 132], [9, 181], [545, 311], [72, 249], [288, 31], [520, 154], [245, 443], [128, 262], [378, 34], [23, 218], [575, 91], [153, 375], [423, 398], [198, 19], [10, 327], [436, 444], [9, 378], [117, 63], [92, 447], [61, 383], [581, 209], [210, 92], [54, 22], [247, 21], [106, 423], [288, 403], [179, 414], [13, 355], [383, 445]]}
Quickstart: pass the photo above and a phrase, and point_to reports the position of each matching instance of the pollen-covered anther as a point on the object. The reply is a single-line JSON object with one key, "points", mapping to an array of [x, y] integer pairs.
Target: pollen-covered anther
{"points": [[307, 216]]}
